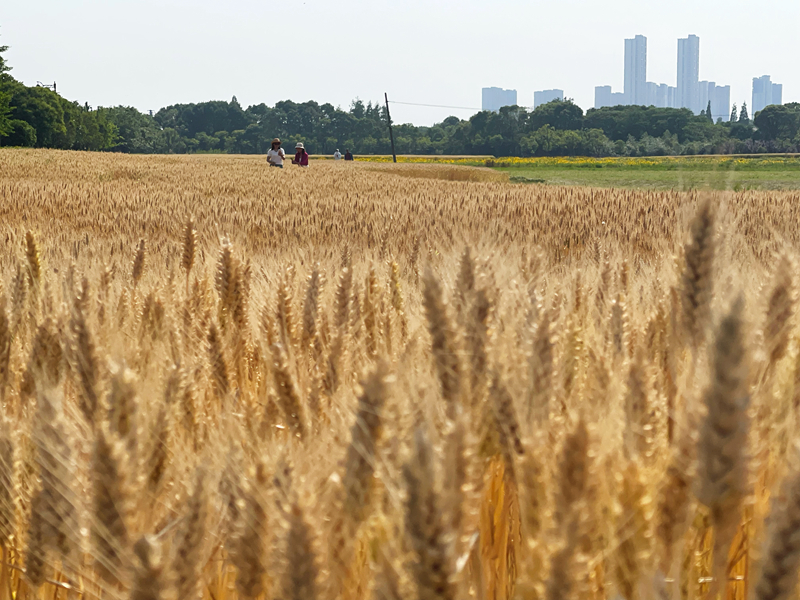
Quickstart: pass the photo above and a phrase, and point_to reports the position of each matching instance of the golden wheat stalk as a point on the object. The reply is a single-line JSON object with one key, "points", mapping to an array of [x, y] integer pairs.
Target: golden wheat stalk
{"points": [[443, 343], [722, 475]]}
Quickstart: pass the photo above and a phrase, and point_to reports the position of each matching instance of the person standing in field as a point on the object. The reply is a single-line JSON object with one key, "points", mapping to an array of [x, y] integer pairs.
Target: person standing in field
{"points": [[347, 155], [275, 154], [301, 156], [337, 155]]}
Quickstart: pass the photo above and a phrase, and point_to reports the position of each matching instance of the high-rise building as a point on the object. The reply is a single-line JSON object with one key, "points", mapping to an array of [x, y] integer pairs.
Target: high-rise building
{"points": [[721, 103], [545, 96], [494, 98], [719, 96], [602, 96], [765, 93], [651, 94], [635, 89], [705, 93], [660, 95], [777, 93], [689, 73]]}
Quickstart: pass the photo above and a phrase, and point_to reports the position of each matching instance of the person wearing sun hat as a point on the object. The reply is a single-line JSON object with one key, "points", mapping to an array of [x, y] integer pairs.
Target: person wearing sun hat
{"points": [[301, 156], [275, 155]]}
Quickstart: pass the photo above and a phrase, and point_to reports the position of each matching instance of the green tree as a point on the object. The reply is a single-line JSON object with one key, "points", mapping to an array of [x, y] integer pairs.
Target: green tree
{"points": [[21, 134], [622, 122], [743, 116], [4, 68], [734, 116], [42, 109], [5, 98], [778, 121], [135, 133], [559, 114], [699, 129], [708, 112], [5, 114]]}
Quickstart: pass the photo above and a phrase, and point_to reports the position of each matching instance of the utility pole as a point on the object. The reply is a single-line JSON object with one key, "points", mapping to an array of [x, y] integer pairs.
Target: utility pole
{"points": [[389, 119], [48, 86]]}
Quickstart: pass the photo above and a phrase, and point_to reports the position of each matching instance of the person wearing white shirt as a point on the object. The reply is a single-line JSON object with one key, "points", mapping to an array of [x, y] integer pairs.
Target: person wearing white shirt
{"points": [[337, 155], [275, 155]]}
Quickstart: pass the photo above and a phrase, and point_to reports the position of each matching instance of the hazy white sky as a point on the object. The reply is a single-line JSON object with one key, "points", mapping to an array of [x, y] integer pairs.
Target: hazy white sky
{"points": [[151, 53]]}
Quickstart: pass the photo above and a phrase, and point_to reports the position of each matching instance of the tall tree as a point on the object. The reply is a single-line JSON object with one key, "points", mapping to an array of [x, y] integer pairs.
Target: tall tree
{"points": [[5, 98], [734, 115], [4, 68], [708, 112], [743, 116], [5, 114]]}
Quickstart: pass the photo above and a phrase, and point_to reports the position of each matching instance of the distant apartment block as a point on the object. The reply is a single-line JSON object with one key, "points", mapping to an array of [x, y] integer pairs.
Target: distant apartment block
{"points": [[494, 98], [545, 96], [689, 74], [689, 93], [719, 96], [602, 96], [765, 93], [660, 95], [635, 87]]}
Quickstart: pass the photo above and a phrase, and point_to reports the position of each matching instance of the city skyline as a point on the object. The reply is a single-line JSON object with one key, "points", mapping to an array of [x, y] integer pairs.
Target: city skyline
{"points": [[689, 92], [337, 52]]}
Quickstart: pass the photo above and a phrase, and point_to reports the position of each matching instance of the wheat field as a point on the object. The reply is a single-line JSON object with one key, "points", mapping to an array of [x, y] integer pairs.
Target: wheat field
{"points": [[224, 381]]}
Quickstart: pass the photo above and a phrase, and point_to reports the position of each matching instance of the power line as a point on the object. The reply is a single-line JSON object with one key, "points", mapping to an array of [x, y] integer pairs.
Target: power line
{"points": [[435, 105], [443, 106]]}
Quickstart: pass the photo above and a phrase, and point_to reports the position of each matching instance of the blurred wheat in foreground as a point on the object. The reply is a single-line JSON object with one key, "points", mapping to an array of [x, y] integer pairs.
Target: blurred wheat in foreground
{"points": [[221, 382]]}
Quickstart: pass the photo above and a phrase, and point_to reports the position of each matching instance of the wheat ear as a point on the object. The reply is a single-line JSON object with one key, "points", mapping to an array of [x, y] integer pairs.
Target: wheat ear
{"points": [[443, 342], [149, 581], [190, 545], [300, 576], [362, 451], [698, 278], [425, 527], [722, 476], [778, 579]]}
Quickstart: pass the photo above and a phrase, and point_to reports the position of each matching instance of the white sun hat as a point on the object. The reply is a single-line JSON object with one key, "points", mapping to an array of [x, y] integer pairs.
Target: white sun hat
{"points": [[299, 146]]}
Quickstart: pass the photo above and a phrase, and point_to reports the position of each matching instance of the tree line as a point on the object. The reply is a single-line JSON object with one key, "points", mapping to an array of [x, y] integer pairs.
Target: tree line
{"points": [[39, 117]]}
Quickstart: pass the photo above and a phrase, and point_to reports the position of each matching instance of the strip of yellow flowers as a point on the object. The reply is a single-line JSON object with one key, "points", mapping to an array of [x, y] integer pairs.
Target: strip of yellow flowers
{"points": [[730, 161]]}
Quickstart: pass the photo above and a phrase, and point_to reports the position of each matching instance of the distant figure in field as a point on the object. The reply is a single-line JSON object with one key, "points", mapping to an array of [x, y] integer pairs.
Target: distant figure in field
{"points": [[301, 156], [347, 155], [275, 154], [337, 155]]}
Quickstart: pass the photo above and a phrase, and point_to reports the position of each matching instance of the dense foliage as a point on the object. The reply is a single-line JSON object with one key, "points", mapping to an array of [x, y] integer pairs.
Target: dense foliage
{"points": [[38, 117]]}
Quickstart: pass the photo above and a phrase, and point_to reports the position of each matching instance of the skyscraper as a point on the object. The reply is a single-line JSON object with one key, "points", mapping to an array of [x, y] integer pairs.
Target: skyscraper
{"points": [[494, 98], [765, 93], [705, 94], [545, 96], [721, 104], [635, 89], [602, 96], [777, 93], [689, 73]]}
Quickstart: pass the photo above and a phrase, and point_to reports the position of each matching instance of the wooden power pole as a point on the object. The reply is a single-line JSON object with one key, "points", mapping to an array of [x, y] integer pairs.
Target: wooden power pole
{"points": [[389, 119]]}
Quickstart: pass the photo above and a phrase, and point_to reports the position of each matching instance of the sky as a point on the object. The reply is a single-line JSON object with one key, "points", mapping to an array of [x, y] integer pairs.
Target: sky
{"points": [[153, 53]]}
